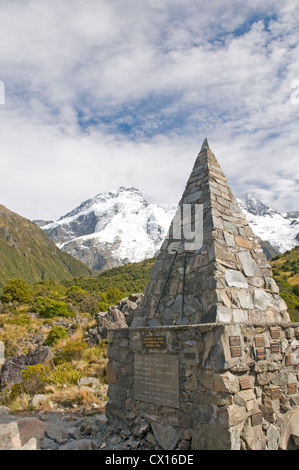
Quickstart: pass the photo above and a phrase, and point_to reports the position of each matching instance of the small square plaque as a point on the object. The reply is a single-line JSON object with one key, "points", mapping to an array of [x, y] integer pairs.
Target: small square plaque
{"points": [[275, 333], [244, 382], [275, 348], [234, 341], [275, 393], [292, 388], [256, 418], [259, 342], [235, 351], [260, 354]]}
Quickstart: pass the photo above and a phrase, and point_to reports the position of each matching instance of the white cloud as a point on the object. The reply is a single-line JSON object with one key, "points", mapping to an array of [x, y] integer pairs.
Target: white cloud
{"points": [[171, 73]]}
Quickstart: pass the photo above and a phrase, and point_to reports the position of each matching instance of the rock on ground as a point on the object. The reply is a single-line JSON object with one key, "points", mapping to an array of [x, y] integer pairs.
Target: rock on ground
{"points": [[62, 430]]}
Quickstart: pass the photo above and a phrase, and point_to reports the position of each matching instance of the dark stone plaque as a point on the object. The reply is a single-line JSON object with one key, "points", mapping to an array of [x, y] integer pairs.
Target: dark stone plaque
{"points": [[260, 341], [234, 341], [256, 418], [292, 388], [235, 351], [275, 348], [154, 342], [260, 354], [244, 383], [275, 393], [156, 379], [275, 333]]}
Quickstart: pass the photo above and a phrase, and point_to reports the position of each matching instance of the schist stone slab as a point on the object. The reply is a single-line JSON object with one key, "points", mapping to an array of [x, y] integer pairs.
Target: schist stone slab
{"points": [[156, 379]]}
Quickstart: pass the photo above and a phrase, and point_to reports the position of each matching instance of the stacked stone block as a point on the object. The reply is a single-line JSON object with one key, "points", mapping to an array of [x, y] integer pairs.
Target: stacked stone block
{"points": [[227, 399], [208, 361], [228, 278]]}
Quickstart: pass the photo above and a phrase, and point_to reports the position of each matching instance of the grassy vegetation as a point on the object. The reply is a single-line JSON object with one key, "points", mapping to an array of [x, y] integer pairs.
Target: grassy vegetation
{"points": [[58, 380], [30, 310], [286, 273]]}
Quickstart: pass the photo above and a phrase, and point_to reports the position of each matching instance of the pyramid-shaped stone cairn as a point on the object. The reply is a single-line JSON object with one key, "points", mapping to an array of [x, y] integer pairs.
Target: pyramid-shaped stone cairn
{"points": [[211, 267]]}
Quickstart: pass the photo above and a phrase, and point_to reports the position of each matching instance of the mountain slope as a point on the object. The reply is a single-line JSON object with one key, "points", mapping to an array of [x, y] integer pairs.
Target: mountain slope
{"points": [[281, 231], [120, 227], [112, 229], [26, 252]]}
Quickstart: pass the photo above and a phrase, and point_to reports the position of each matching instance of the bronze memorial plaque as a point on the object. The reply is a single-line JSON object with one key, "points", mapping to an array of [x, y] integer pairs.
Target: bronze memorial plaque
{"points": [[256, 418], [292, 388], [275, 348], [275, 333], [260, 354], [244, 382], [154, 342], [288, 360], [235, 346], [156, 379], [235, 351], [234, 341], [259, 342], [275, 393]]}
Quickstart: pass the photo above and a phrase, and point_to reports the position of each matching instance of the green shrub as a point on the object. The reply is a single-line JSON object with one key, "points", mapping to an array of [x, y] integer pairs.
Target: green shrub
{"points": [[16, 290], [296, 290], [33, 381], [50, 308], [76, 294], [73, 351], [56, 334], [66, 374], [90, 304]]}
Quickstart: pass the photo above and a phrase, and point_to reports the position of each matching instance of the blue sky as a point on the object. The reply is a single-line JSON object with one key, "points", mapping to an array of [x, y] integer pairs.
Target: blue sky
{"points": [[104, 93]]}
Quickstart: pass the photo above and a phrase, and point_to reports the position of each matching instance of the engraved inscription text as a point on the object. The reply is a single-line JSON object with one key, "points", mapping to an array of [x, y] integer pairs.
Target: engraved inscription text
{"points": [[156, 379]]}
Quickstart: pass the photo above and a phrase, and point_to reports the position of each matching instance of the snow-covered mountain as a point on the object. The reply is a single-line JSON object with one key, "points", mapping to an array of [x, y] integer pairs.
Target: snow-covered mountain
{"points": [[112, 229], [120, 226], [280, 230]]}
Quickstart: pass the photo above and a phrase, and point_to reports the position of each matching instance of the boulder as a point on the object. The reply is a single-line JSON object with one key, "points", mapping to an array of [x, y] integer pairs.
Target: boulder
{"points": [[82, 444], [38, 400], [21, 433], [11, 370], [2, 357], [111, 320]]}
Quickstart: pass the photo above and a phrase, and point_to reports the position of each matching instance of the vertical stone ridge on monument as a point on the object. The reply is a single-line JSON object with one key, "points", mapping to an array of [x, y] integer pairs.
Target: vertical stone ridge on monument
{"points": [[227, 278]]}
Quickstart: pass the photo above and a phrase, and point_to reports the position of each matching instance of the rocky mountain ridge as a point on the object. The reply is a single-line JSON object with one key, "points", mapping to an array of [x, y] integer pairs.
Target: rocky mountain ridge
{"points": [[112, 229], [280, 230], [120, 226]]}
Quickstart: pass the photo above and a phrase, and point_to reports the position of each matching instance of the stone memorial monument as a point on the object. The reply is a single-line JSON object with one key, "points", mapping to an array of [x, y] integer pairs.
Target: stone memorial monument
{"points": [[211, 358]]}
